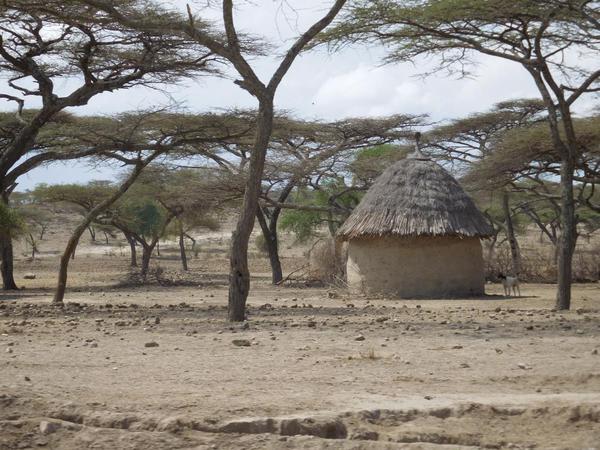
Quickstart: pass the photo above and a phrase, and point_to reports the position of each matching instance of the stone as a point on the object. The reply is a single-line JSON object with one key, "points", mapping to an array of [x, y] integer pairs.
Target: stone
{"points": [[360, 337], [151, 344], [364, 435], [29, 276], [49, 427], [241, 342]]}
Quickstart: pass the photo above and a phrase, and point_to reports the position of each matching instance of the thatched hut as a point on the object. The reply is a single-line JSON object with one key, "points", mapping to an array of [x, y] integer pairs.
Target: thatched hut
{"points": [[416, 233]]}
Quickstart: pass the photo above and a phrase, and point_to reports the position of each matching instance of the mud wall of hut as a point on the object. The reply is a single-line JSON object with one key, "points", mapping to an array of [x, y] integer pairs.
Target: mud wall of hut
{"points": [[407, 267]]}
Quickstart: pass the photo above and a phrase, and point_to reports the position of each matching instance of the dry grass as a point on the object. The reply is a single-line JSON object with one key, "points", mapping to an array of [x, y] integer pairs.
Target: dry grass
{"points": [[413, 198], [370, 354], [538, 262], [327, 261]]}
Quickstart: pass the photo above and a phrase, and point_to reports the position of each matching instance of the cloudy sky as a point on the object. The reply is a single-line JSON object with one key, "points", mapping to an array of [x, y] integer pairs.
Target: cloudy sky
{"points": [[351, 83]]}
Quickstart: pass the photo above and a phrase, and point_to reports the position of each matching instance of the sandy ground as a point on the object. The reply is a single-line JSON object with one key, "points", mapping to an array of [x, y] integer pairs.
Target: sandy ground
{"points": [[158, 366], [312, 368]]}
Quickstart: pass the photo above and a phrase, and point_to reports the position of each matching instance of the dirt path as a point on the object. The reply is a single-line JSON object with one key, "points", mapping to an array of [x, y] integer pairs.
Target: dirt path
{"points": [[312, 369]]}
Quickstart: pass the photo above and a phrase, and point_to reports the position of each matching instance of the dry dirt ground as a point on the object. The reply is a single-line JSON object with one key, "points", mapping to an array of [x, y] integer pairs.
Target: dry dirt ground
{"points": [[159, 367]]}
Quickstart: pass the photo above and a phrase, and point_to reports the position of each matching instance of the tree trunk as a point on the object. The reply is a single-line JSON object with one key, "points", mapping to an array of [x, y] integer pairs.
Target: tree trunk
{"points": [[33, 246], [131, 242], [8, 278], [568, 237], [6, 248], [272, 243], [92, 233], [193, 249], [61, 287], [239, 275], [157, 248], [331, 225], [491, 250], [510, 235], [146, 255], [147, 249], [184, 263]]}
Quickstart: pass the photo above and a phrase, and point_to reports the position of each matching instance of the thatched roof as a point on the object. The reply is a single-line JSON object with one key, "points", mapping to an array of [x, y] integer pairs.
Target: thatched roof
{"points": [[415, 197]]}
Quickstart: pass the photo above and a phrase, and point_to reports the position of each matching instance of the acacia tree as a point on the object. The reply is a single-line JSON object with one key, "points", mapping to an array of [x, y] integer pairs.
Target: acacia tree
{"points": [[45, 46], [141, 217], [136, 140], [186, 194], [139, 161], [233, 47], [84, 198], [163, 197], [525, 161], [549, 39]]}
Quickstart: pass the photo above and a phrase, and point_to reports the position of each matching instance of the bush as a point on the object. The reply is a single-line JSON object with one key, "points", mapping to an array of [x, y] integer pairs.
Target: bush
{"points": [[538, 264], [327, 261], [261, 244]]}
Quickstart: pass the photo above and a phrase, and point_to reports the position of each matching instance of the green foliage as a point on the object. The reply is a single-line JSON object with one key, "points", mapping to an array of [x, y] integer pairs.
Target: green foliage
{"points": [[261, 243], [521, 149], [141, 215], [87, 196], [370, 162], [302, 223], [451, 28], [305, 223], [11, 222]]}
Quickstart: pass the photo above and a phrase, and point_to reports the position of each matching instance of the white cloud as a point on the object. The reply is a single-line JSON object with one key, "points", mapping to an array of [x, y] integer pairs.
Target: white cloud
{"points": [[380, 90]]}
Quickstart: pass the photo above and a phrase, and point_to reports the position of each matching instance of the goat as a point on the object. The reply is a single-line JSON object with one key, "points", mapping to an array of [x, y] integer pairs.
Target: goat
{"points": [[509, 283]]}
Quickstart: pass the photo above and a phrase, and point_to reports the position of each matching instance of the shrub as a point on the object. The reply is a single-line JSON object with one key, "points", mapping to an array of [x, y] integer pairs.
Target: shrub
{"points": [[261, 244], [327, 261]]}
